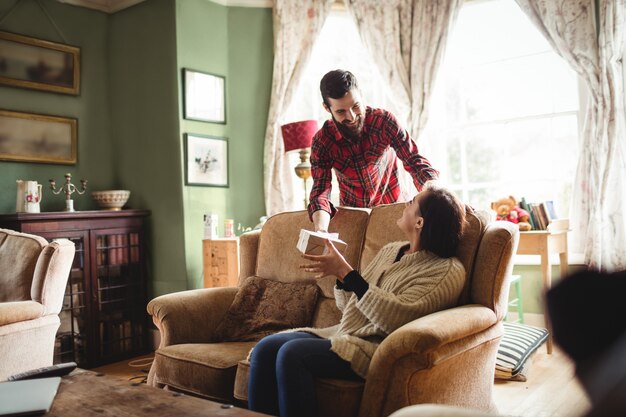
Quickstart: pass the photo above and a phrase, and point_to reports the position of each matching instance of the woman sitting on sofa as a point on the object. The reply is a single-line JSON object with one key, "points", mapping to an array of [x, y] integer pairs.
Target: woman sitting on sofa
{"points": [[405, 281]]}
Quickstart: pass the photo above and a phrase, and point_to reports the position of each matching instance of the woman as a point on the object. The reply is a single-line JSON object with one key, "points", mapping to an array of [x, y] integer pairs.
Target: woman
{"points": [[405, 281]]}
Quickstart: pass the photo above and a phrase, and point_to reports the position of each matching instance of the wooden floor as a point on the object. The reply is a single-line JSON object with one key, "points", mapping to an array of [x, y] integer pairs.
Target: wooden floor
{"points": [[551, 389]]}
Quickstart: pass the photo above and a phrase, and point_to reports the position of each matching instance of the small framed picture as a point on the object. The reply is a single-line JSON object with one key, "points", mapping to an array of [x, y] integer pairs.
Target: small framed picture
{"points": [[31, 137], [206, 160], [205, 96], [38, 64]]}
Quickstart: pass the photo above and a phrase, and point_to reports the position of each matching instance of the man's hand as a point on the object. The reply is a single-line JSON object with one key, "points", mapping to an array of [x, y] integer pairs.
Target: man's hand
{"points": [[321, 220], [331, 263]]}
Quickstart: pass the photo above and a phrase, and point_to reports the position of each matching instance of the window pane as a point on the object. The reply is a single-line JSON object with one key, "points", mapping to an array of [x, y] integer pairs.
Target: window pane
{"points": [[504, 112], [518, 87]]}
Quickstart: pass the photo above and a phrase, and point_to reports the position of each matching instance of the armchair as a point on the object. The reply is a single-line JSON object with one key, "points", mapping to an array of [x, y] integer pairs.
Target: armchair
{"points": [[33, 275], [447, 357]]}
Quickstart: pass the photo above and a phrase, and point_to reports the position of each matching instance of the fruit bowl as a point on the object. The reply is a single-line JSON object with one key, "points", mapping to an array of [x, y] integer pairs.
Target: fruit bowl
{"points": [[111, 199]]}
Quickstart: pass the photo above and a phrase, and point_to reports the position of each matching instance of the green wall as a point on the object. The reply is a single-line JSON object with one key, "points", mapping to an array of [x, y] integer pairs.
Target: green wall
{"points": [[532, 285], [144, 106], [210, 39], [251, 60], [130, 123], [86, 29]]}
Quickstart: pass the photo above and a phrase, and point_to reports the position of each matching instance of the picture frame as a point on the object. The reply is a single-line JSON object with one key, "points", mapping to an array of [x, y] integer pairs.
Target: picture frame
{"points": [[206, 160], [39, 64], [204, 96], [39, 138]]}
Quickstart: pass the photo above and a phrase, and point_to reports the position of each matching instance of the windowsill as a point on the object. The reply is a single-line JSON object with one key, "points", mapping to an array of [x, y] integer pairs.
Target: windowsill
{"points": [[572, 259]]}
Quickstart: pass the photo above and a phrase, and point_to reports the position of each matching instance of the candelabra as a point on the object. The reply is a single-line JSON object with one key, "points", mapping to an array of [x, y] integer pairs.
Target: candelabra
{"points": [[68, 188]]}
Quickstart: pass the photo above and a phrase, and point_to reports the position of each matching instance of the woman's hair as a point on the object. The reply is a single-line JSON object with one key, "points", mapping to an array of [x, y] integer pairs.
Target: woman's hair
{"points": [[336, 84], [444, 221]]}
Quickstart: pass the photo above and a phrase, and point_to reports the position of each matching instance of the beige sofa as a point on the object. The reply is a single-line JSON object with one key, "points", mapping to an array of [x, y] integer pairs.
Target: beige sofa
{"points": [[446, 357], [33, 276]]}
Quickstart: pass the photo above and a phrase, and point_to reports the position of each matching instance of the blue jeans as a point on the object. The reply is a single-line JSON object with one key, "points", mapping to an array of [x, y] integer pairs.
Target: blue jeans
{"points": [[282, 371]]}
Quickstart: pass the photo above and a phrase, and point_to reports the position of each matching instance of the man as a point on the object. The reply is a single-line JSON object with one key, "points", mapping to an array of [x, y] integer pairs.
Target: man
{"points": [[358, 144]]}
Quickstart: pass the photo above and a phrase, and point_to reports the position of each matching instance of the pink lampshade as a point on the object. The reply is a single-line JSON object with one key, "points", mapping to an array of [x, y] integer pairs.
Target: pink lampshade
{"points": [[299, 135]]}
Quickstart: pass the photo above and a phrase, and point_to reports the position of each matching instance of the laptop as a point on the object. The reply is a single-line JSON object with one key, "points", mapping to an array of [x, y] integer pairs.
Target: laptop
{"points": [[28, 397]]}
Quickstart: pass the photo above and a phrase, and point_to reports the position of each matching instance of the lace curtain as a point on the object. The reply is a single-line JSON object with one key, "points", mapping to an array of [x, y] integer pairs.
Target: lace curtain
{"points": [[599, 196], [407, 40], [297, 24]]}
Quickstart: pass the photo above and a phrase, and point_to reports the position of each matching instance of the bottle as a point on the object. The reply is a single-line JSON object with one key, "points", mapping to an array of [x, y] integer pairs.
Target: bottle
{"points": [[229, 228]]}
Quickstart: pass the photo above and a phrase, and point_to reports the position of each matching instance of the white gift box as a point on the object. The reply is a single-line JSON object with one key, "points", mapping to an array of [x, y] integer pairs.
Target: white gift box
{"points": [[313, 243]]}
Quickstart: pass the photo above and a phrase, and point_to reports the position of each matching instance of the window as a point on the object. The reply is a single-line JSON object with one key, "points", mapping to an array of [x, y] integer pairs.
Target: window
{"points": [[504, 114], [338, 47]]}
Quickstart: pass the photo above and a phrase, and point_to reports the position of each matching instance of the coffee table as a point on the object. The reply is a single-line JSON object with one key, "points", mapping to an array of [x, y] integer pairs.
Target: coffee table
{"points": [[88, 394]]}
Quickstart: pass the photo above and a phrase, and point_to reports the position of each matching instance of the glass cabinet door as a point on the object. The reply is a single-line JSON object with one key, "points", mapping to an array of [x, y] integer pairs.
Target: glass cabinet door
{"points": [[120, 293], [72, 338]]}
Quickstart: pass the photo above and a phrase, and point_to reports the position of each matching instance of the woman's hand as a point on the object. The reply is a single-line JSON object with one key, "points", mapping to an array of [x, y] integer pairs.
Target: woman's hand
{"points": [[331, 263]]}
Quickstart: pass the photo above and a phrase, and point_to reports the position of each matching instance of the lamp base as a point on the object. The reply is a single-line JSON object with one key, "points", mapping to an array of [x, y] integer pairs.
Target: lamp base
{"points": [[303, 170]]}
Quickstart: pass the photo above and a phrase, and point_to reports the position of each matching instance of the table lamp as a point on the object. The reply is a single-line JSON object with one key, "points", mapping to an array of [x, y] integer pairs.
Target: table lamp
{"points": [[298, 136]]}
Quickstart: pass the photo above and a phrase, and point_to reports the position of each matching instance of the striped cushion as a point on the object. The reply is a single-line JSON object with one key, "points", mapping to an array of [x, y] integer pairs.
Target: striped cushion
{"points": [[518, 342]]}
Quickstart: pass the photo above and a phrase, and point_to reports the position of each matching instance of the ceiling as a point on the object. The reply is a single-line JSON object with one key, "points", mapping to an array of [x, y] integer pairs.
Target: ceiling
{"points": [[112, 6]]}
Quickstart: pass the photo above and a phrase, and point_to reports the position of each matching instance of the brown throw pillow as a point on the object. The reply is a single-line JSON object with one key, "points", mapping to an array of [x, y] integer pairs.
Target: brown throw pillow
{"points": [[264, 306]]}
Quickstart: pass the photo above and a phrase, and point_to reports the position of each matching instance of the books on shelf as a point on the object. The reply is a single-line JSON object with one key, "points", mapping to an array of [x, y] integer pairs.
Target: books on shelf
{"points": [[543, 215]]}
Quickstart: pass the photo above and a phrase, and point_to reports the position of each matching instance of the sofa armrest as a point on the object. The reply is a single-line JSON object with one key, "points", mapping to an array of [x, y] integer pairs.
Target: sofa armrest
{"points": [[427, 346], [17, 311], [190, 316], [430, 334], [248, 249]]}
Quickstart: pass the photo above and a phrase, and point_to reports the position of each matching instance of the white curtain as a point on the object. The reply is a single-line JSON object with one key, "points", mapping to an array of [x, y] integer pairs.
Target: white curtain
{"points": [[297, 24], [599, 196], [407, 40]]}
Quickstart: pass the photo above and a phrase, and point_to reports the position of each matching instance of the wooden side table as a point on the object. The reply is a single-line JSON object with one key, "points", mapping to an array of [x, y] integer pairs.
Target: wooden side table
{"points": [[544, 243], [220, 262]]}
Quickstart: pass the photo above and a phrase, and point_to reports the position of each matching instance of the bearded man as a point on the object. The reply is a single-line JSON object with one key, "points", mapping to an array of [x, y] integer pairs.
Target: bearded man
{"points": [[359, 144]]}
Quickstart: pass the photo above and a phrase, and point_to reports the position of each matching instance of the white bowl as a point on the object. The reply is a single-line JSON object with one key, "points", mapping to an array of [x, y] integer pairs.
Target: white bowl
{"points": [[111, 199]]}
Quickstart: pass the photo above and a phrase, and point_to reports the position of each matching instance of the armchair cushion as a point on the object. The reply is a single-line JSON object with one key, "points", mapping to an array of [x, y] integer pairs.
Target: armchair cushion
{"points": [[264, 306], [18, 256], [203, 369]]}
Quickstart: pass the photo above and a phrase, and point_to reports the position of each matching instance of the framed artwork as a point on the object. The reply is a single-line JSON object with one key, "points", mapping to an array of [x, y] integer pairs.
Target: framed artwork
{"points": [[205, 96], [206, 160], [29, 137], [39, 64]]}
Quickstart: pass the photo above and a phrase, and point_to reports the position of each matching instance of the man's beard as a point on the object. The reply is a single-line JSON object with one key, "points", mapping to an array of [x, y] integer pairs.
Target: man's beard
{"points": [[350, 132]]}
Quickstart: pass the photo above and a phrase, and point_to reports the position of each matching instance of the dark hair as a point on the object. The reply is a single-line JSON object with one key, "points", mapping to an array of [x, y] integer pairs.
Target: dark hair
{"points": [[335, 84], [444, 221]]}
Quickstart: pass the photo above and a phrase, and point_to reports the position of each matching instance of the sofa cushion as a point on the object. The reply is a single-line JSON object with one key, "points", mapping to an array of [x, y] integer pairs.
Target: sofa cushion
{"points": [[264, 306], [493, 265], [201, 368], [335, 397], [382, 229], [279, 238], [468, 246], [18, 257]]}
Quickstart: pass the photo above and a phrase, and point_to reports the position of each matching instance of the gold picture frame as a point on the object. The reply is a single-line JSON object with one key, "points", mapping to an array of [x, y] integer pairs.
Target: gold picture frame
{"points": [[40, 138], [39, 64]]}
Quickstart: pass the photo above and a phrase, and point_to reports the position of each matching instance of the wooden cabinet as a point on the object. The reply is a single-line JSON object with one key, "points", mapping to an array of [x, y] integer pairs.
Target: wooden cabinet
{"points": [[220, 262], [104, 317]]}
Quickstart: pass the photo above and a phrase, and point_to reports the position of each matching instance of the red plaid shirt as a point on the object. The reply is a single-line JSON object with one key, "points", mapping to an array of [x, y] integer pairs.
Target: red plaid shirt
{"points": [[367, 169]]}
